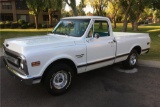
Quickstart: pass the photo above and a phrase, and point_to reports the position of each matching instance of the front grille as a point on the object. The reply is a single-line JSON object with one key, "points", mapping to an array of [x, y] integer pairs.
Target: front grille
{"points": [[17, 66], [11, 59], [10, 54], [15, 60]]}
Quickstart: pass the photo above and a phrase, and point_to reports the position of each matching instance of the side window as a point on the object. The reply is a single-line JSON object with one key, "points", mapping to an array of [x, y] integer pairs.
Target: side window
{"points": [[102, 28]]}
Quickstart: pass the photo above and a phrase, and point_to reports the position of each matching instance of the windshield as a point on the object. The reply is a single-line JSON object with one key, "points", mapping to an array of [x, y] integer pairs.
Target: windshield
{"points": [[72, 27]]}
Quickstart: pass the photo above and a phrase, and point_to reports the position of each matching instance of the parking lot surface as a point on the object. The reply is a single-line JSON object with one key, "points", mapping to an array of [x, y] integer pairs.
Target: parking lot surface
{"points": [[105, 87]]}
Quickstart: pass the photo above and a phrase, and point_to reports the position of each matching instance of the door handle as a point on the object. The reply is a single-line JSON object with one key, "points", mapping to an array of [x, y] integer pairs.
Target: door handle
{"points": [[111, 42]]}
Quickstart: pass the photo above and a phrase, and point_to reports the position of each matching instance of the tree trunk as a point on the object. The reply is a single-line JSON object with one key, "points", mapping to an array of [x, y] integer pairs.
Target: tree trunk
{"points": [[75, 13], [132, 25], [50, 18], [36, 20], [72, 4], [74, 8], [114, 16], [124, 29], [114, 21], [135, 26], [136, 22]]}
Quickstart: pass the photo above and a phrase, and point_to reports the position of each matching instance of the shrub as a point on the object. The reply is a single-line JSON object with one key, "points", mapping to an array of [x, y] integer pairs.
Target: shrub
{"points": [[24, 26], [44, 25], [2, 25], [50, 25], [39, 25], [7, 24], [140, 22], [14, 25], [30, 24], [21, 22]]}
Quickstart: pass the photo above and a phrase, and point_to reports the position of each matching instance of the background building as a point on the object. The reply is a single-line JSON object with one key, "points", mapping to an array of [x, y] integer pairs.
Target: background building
{"points": [[13, 10]]}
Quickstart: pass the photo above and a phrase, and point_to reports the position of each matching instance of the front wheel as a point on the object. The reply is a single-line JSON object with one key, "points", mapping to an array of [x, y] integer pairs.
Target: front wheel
{"points": [[58, 79], [132, 59]]}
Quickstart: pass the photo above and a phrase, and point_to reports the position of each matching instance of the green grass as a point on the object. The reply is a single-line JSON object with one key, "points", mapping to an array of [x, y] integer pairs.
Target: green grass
{"points": [[14, 33], [152, 29]]}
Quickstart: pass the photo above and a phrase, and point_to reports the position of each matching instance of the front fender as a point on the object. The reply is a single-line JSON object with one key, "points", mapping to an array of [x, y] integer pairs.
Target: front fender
{"points": [[56, 58]]}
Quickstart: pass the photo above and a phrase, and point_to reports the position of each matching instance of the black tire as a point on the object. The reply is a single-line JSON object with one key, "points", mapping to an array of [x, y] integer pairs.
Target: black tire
{"points": [[58, 79], [131, 61]]}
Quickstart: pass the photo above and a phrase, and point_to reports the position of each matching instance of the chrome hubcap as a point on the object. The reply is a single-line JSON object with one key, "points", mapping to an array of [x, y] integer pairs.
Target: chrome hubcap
{"points": [[60, 80], [133, 59]]}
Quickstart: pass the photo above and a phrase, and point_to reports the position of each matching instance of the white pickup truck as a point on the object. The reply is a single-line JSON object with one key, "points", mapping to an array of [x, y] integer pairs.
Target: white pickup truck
{"points": [[76, 45]]}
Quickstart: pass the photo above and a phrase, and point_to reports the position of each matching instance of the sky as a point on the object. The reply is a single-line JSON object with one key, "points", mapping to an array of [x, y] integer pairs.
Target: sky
{"points": [[87, 9]]}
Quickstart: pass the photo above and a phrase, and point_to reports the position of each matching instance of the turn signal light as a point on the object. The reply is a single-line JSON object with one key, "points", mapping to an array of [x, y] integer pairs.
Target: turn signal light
{"points": [[35, 63]]}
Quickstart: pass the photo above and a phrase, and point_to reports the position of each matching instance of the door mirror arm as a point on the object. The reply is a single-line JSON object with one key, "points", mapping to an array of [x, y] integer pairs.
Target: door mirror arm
{"points": [[96, 35]]}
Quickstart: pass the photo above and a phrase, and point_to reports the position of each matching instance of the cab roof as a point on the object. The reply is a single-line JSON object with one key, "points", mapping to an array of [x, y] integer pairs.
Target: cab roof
{"points": [[85, 17]]}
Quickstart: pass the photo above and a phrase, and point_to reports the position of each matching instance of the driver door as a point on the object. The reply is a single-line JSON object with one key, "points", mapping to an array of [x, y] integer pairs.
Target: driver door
{"points": [[100, 46]]}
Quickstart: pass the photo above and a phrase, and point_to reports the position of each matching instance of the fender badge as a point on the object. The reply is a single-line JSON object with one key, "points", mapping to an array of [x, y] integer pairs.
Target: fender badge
{"points": [[79, 56], [7, 45]]}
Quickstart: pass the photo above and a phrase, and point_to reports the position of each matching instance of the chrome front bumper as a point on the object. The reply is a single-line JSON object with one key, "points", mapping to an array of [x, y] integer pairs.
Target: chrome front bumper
{"points": [[24, 78]]}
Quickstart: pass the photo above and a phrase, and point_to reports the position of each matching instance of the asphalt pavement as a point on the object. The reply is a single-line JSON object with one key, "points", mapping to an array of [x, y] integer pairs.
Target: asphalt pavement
{"points": [[105, 87]]}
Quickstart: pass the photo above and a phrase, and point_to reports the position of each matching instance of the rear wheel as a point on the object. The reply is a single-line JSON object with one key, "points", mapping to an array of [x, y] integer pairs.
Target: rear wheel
{"points": [[58, 79], [131, 61]]}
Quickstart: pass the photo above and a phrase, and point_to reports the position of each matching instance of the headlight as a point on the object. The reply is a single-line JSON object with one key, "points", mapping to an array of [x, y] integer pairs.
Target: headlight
{"points": [[21, 62], [21, 65]]}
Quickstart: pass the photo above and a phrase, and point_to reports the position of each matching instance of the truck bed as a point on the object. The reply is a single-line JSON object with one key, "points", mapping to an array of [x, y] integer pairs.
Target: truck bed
{"points": [[126, 41]]}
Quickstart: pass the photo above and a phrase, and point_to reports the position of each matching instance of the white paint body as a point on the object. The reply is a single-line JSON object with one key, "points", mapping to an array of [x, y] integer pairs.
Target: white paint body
{"points": [[53, 47]]}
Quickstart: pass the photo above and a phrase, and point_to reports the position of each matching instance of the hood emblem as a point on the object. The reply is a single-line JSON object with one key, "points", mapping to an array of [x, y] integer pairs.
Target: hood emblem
{"points": [[7, 45]]}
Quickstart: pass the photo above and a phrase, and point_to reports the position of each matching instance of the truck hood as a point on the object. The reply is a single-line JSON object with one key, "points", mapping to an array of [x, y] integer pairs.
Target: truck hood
{"points": [[20, 45]]}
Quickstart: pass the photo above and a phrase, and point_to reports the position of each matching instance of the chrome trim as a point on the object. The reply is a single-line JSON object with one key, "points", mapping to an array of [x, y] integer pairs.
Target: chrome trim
{"points": [[60, 79], [23, 78], [16, 55], [104, 60], [17, 74]]}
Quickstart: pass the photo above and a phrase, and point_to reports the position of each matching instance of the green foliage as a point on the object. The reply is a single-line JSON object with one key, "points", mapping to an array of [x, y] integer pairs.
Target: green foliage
{"points": [[35, 7], [20, 21], [24, 26], [30, 25], [52, 5], [156, 15], [39, 25], [155, 4], [2, 25], [14, 25], [99, 6], [72, 4], [7, 24], [80, 8], [44, 25]]}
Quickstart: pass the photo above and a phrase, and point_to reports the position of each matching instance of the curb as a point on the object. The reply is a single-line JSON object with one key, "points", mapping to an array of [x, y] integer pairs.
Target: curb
{"points": [[147, 63]]}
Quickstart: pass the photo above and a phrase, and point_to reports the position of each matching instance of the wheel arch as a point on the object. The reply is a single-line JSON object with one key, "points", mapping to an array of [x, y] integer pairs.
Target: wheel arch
{"points": [[137, 48], [63, 60]]}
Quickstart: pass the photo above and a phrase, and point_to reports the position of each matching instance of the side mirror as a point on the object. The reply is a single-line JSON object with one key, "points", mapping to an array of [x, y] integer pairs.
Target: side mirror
{"points": [[97, 35]]}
